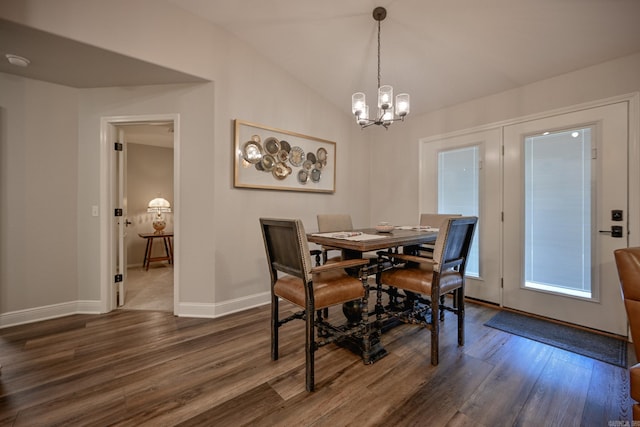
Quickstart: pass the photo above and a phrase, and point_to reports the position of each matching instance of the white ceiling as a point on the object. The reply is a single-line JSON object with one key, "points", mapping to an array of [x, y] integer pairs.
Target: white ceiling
{"points": [[67, 62], [442, 52]]}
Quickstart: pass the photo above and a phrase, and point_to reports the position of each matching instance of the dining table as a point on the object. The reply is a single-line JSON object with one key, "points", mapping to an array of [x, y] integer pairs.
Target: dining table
{"points": [[354, 244]]}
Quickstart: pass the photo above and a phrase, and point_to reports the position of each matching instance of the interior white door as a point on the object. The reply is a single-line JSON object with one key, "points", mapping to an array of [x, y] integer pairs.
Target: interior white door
{"points": [[120, 204], [564, 178], [480, 169]]}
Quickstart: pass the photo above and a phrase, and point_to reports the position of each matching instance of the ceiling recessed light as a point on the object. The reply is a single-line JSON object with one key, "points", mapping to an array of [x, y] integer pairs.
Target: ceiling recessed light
{"points": [[17, 60]]}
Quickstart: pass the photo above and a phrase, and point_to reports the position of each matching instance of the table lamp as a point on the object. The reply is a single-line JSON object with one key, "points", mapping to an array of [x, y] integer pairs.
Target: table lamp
{"points": [[159, 206]]}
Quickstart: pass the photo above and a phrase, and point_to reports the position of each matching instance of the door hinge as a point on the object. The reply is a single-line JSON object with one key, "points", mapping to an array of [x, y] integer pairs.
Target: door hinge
{"points": [[501, 283], [118, 146], [502, 216], [118, 278], [118, 212]]}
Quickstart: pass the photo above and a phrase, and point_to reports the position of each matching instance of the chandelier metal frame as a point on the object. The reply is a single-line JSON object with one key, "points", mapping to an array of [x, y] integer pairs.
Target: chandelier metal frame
{"points": [[386, 114]]}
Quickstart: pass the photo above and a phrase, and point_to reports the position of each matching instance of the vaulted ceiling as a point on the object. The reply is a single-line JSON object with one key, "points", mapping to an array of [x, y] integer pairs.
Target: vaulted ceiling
{"points": [[442, 52]]}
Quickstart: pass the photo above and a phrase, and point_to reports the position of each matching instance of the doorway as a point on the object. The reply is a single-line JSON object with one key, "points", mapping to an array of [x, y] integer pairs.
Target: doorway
{"points": [[149, 146], [149, 176]]}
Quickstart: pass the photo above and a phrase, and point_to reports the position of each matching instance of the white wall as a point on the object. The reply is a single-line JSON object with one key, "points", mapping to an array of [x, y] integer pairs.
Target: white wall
{"points": [[222, 261], [38, 186], [394, 167]]}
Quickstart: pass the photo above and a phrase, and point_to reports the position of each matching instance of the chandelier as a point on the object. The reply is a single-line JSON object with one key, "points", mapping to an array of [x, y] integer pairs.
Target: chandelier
{"points": [[386, 114]]}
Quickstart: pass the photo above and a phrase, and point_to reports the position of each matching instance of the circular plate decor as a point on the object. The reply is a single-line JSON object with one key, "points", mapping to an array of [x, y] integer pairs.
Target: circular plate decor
{"points": [[281, 171], [315, 175], [268, 162], [296, 156], [311, 157], [321, 154], [252, 152], [282, 155], [303, 176], [284, 145], [307, 164], [271, 146]]}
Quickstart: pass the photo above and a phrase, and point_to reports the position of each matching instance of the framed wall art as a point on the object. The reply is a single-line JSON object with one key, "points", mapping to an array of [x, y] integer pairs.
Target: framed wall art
{"points": [[276, 159]]}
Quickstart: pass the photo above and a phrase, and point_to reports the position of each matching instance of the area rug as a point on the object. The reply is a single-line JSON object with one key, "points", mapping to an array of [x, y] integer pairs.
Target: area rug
{"points": [[600, 347]]}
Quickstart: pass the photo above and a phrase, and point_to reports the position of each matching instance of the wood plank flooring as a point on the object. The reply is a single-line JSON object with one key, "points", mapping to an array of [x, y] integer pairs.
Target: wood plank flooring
{"points": [[131, 368]]}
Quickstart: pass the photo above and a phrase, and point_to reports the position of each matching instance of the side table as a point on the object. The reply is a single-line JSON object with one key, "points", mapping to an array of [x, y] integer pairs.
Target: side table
{"points": [[168, 249]]}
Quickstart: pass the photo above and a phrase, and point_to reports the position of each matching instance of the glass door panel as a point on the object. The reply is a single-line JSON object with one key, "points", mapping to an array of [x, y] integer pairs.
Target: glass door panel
{"points": [[557, 234], [462, 174], [459, 189]]}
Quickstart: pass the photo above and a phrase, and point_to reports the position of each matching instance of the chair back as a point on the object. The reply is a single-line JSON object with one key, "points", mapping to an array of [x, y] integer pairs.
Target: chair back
{"points": [[287, 249], [334, 222], [453, 243], [435, 220], [628, 264]]}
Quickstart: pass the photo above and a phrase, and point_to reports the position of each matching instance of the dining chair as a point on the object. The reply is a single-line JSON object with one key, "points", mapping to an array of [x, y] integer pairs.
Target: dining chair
{"points": [[311, 288], [433, 220], [424, 280], [328, 223], [628, 265]]}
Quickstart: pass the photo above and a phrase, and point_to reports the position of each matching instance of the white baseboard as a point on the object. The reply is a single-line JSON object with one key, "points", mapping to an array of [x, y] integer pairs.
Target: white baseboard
{"points": [[204, 310], [36, 314], [214, 310]]}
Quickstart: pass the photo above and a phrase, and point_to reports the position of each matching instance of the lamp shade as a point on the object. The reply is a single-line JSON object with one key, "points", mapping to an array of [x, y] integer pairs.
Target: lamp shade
{"points": [[358, 103], [385, 97], [402, 104], [159, 205]]}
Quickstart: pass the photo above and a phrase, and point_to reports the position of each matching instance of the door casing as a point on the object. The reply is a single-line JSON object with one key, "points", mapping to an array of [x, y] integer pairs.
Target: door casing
{"points": [[108, 171]]}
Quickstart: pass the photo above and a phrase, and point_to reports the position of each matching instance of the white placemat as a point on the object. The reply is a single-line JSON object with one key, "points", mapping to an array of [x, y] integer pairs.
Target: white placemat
{"points": [[418, 227], [355, 236]]}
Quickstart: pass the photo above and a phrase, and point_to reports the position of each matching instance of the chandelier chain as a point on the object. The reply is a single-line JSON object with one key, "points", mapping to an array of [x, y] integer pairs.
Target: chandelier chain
{"points": [[378, 54]]}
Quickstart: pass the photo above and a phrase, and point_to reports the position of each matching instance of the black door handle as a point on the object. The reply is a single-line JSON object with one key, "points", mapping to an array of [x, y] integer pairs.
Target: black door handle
{"points": [[616, 231]]}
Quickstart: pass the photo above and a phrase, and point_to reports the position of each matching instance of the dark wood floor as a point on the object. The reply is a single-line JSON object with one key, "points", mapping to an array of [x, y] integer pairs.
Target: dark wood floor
{"points": [[145, 367]]}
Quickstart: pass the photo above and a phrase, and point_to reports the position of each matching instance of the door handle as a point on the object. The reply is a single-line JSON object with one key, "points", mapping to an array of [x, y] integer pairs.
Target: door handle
{"points": [[127, 223], [616, 231]]}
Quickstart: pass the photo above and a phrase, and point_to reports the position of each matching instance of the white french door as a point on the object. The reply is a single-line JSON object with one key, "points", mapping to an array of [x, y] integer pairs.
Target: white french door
{"points": [[462, 175], [566, 210]]}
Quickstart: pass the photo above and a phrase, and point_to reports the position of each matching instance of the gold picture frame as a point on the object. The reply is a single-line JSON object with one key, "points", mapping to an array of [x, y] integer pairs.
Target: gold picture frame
{"points": [[274, 159]]}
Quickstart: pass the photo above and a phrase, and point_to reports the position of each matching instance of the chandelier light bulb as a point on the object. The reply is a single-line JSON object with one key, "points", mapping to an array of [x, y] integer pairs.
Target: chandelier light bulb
{"points": [[363, 117], [385, 95], [358, 102], [387, 116], [402, 104]]}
